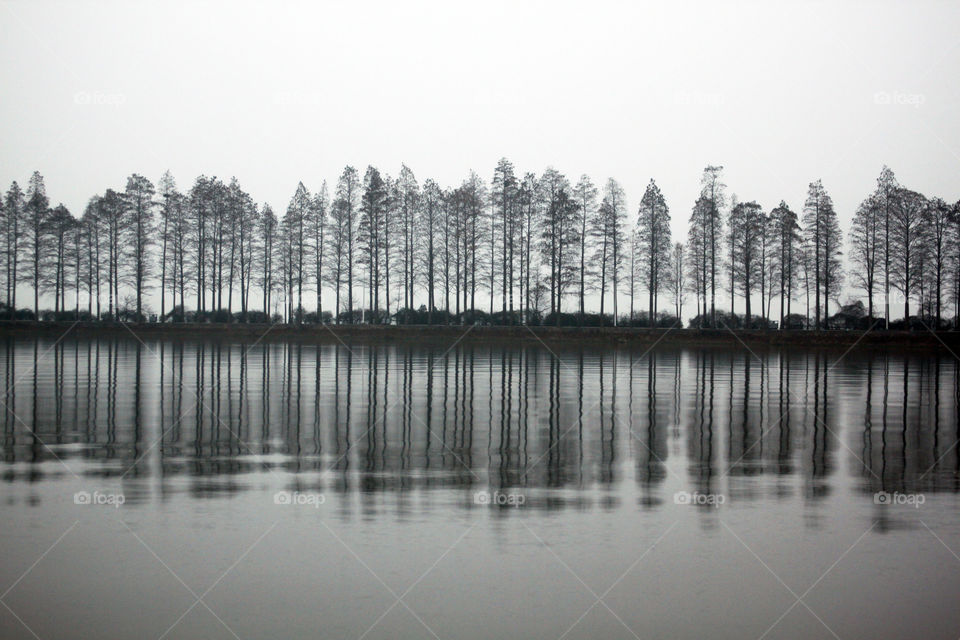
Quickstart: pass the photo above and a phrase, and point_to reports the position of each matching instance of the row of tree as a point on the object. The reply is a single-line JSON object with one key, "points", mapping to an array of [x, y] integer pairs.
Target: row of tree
{"points": [[528, 245]]}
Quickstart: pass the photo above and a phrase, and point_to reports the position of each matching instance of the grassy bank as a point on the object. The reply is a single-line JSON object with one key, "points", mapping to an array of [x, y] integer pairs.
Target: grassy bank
{"points": [[448, 334]]}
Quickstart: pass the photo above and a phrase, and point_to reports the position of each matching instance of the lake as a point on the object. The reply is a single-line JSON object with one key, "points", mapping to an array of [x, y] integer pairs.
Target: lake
{"points": [[204, 489]]}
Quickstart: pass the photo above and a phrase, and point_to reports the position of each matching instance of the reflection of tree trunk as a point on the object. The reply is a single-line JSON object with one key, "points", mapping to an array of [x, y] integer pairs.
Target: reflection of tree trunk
{"points": [[905, 414], [137, 392], [867, 453]]}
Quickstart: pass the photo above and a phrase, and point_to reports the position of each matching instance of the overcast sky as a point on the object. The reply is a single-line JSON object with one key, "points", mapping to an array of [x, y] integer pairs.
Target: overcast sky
{"points": [[275, 92]]}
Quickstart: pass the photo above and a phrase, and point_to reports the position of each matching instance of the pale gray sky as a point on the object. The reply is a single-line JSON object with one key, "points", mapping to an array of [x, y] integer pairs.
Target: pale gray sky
{"points": [[275, 92]]}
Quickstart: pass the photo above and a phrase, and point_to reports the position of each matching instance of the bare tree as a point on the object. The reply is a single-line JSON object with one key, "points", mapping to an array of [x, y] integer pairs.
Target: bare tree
{"points": [[699, 246], [371, 234], [14, 218], [678, 279], [318, 242], [266, 257], [348, 194], [91, 225], [586, 195], [503, 192], [884, 195], [295, 222], [528, 200], [653, 224], [139, 235], [430, 226], [610, 241], [747, 227], [940, 238], [36, 230], [408, 205], [712, 190], [60, 227], [906, 242], [867, 246], [824, 241], [338, 235]]}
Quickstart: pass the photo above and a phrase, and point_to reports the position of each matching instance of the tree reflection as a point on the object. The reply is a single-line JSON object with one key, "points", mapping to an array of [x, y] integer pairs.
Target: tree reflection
{"points": [[369, 419]]}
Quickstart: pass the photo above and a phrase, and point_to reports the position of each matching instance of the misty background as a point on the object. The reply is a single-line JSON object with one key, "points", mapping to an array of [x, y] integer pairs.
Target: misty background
{"points": [[277, 93]]}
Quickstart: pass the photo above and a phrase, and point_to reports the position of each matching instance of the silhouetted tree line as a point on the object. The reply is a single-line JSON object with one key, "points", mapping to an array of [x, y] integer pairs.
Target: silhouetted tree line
{"points": [[533, 247]]}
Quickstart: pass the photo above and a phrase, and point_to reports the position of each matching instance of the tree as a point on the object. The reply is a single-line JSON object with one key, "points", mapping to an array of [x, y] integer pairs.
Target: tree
{"points": [[371, 232], [559, 210], [60, 226], [430, 226], [78, 260], [786, 232], [295, 223], [91, 234], [218, 229], [408, 202], [586, 195], [940, 237], [824, 240], [677, 284], [529, 204], [884, 195], [348, 195], [634, 270], [609, 240], [653, 225], [14, 212], [180, 234], [318, 242], [244, 228], [906, 242], [338, 235], [955, 262], [139, 234], [268, 228], [199, 217], [388, 231], [699, 247], [469, 200], [747, 229], [36, 231], [768, 263], [867, 246], [504, 195], [168, 196], [712, 191]]}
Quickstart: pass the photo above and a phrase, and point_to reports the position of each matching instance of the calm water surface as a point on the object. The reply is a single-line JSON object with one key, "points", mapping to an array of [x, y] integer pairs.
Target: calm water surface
{"points": [[217, 490]]}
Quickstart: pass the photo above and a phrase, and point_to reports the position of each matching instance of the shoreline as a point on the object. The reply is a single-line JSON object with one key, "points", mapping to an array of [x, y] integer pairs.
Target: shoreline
{"points": [[593, 336]]}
